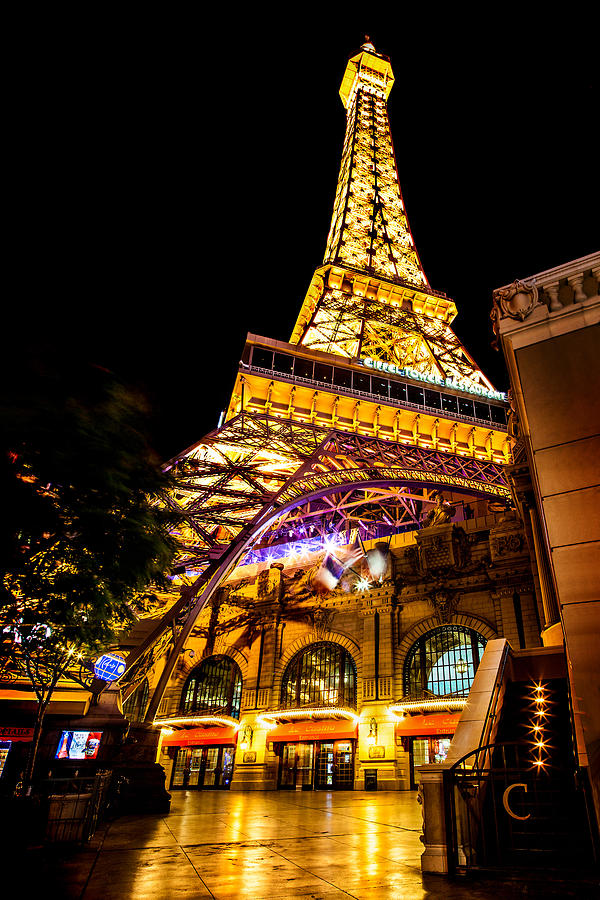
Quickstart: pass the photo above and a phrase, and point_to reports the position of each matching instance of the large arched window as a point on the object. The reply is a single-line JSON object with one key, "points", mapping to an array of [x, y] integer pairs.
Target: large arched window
{"points": [[443, 662], [322, 674], [215, 686]]}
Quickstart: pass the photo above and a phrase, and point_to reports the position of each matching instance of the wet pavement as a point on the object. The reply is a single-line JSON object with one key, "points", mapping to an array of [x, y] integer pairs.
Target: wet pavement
{"points": [[257, 846]]}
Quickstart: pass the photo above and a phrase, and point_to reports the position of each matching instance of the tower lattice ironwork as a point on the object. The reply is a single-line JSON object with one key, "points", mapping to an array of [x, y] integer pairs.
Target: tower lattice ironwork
{"points": [[373, 404]]}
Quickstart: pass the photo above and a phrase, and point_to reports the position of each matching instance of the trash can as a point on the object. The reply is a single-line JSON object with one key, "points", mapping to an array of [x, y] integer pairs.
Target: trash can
{"points": [[67, 817], [370, 779]]}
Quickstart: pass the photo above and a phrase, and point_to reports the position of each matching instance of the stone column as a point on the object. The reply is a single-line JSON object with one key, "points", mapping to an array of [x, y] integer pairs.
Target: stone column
{"points": [[546, 586], [576, 282], [552, 291], [431, 793]]}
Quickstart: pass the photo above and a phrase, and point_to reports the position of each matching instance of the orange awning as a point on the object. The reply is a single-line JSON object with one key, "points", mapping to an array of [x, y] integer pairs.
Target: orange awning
{"points": [[435, 723], [310, 730], [201, 737]]}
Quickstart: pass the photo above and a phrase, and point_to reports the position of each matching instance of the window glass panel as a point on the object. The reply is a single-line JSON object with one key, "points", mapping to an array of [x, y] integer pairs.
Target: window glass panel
{"points": [[449, 403], [323, 373], [362, 382], [465, 407], [303, 368], [482, 410], [397, 390], [379, 385], [415, 394], [214, 686], [134, 707], [443, 662], [262, 358], [283, 363], [498, 414], [433, 399], [342, 377], [322, 674]]}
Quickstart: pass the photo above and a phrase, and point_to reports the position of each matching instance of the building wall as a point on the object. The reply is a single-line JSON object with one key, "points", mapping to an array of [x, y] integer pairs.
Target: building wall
{"points": [[549, 326]]}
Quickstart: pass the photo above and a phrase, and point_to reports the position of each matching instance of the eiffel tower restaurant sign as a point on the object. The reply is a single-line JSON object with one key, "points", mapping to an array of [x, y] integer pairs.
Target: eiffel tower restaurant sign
{"points": [[431, 378]]}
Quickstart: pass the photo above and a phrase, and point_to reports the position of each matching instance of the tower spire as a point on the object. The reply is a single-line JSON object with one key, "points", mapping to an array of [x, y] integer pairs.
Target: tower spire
{"points": [[369, 229]]}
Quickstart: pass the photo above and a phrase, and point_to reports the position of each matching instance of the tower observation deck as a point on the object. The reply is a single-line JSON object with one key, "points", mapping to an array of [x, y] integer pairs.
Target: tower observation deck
{"points": [[355, 425]]}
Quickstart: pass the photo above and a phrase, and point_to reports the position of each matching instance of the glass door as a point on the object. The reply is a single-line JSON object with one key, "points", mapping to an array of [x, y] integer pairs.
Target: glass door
{"points": [[344, 765], [325, 768], [179, 778], [194, 766], [227, 766], [296, 769], [304, 767], [287, 769], [211, 767]]}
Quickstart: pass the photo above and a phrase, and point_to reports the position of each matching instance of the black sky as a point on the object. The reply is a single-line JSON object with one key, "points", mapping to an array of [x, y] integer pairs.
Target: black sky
{"points": [[175, 184]]}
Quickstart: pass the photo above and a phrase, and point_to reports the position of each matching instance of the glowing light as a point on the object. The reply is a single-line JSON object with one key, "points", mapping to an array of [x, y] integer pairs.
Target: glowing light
{"points": [[224, 721], [323, 712], [416, 705]]}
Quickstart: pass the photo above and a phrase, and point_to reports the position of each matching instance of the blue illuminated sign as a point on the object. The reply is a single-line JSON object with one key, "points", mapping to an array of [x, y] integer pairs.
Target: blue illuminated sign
{"points": [[109, 667]]}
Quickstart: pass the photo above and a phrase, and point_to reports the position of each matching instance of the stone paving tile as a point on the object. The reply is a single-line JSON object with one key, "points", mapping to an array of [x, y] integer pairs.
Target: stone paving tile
{"points": [[150, 872]]}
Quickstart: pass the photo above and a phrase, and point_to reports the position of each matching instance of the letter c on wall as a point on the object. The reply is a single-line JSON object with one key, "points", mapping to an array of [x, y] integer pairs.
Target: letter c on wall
{"points": [[505, 801]]}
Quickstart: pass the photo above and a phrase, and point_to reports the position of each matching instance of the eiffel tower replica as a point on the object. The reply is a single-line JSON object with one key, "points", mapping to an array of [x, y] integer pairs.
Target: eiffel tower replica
{"points": [[355, 426]]}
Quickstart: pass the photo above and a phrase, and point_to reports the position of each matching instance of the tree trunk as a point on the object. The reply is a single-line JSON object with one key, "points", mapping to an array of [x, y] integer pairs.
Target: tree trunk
{"points": [[37, 734]]}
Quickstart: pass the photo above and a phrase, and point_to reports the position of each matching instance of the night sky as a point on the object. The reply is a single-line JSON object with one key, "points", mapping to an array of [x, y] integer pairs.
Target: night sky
{"points": [[178, 184]]}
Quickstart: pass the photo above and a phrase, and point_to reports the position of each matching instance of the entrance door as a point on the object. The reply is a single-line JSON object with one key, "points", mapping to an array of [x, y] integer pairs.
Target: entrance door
{"points": [[203, 767], [325, 769], [344, 766], [296, 770], [335, 766]]}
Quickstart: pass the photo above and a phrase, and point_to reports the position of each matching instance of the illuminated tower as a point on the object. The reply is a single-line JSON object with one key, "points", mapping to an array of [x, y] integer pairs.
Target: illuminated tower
{"points": [[352, 426]]}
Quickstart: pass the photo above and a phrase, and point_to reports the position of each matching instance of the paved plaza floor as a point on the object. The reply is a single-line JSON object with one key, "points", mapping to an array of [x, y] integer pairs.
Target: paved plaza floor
{"points": [[318, 846]]}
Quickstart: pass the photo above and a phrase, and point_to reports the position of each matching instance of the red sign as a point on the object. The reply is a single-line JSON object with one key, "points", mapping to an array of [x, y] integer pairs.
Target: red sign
{"points": [[309, 730], [14, 733], [202, 737], [436, 723]]}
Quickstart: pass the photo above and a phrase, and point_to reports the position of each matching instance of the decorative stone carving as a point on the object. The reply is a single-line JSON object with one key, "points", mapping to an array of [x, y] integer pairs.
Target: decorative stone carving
{"points": [[321, 620], [442, 547], [445, 604], [507, 538], [517, 301]]}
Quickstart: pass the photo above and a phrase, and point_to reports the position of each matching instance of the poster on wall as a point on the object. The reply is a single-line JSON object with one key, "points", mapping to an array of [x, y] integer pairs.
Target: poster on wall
{"points": [[78, 745]]}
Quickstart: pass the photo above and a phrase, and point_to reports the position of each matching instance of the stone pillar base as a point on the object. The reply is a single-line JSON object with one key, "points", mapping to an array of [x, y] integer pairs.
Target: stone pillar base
{"points": [[253, 778], [435, 859]]}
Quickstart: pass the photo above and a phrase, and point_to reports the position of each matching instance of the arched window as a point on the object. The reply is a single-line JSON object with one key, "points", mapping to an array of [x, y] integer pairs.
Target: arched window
{"points": [[135, 705], [215, 686], [443, 662], [322, 674]]}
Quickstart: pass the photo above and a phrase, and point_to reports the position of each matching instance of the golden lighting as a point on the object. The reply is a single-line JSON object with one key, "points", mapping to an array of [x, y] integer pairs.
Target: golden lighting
{"points": [[223, 721], [455, 703], [270, 719]]}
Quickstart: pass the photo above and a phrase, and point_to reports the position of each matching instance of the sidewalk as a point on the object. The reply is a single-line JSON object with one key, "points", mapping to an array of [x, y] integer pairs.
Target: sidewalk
{"points": [[317, 846]]}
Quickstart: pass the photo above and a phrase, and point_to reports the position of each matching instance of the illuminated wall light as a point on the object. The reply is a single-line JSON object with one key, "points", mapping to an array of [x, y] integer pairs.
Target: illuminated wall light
{"points": [[372, 735]]}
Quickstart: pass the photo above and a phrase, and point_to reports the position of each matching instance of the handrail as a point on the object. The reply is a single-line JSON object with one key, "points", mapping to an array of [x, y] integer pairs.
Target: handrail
{"points": [[484, 749], [490, 716]]}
